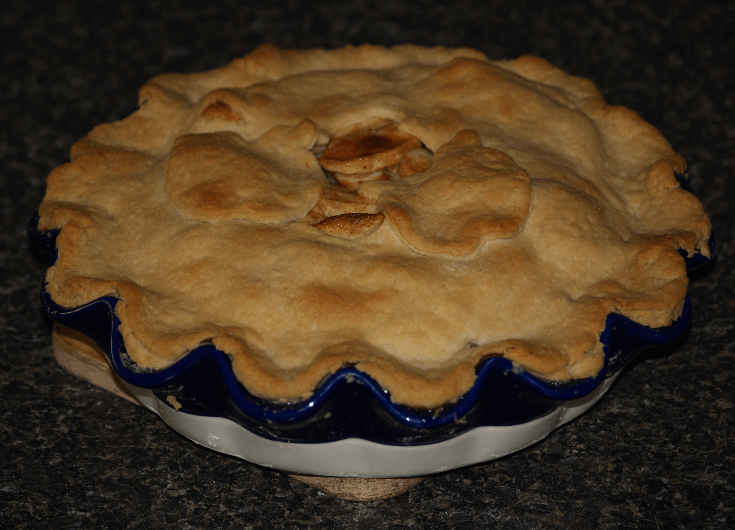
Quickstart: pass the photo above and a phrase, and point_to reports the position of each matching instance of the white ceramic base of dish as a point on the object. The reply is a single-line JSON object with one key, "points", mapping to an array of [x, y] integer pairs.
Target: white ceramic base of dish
{"points": [[351, 468], [80, 356]]}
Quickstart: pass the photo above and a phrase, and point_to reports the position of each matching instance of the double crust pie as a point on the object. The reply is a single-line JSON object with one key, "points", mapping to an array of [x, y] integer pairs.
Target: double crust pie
{"points": [[406, 211]]}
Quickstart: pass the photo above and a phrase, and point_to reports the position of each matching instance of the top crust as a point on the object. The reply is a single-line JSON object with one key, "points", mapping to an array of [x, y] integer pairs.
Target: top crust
{"points": [[273, 180], [212, 214], [431, 216]]}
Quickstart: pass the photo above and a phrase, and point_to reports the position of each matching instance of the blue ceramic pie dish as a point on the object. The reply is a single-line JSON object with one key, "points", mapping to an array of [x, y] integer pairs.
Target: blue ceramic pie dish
{"points": [[350, 427], [350, 404]]}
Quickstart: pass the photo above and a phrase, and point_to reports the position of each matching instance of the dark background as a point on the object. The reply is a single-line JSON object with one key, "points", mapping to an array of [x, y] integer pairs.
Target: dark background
{"points": [[657, 452]]}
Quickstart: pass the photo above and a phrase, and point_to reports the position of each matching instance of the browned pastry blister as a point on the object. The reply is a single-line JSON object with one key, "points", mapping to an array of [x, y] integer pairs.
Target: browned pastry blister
{"points": [[407, 211], [351, 225]]}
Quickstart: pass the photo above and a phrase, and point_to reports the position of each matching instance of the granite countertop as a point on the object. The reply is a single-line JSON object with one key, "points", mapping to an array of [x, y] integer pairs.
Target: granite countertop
{"points": [[656, 452]]}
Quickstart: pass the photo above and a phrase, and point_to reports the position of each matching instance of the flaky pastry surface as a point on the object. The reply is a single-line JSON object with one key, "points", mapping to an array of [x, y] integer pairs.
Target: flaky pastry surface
{"points": [[465, 208]]}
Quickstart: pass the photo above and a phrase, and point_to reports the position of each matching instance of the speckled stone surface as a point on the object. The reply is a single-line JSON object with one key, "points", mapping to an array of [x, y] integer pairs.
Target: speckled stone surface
{"points": [[657, 452]]}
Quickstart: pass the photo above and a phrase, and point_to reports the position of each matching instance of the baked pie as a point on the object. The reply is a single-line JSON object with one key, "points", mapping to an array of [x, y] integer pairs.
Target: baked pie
{"points": [[409, 212]]}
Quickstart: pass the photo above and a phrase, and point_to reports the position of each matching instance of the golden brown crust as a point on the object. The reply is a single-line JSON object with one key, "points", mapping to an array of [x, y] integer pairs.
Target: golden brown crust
{"points": [[415, 161], [432, 218], [367, 150], [517, 212], [221, 110], [254, 181], [338, 200], [351, 225]]}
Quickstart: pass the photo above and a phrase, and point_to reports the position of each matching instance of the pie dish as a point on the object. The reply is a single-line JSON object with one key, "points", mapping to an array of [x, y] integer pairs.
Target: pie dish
{"points": [[349, 428], [404, 213]]}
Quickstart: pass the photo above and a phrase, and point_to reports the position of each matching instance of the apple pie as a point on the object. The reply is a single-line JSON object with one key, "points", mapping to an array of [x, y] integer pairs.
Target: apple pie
{"points": [[408, 212]]}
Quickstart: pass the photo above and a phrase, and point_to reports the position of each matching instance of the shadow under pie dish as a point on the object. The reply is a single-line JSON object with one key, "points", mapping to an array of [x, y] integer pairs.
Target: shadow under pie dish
{"points": [[405, 218]]}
